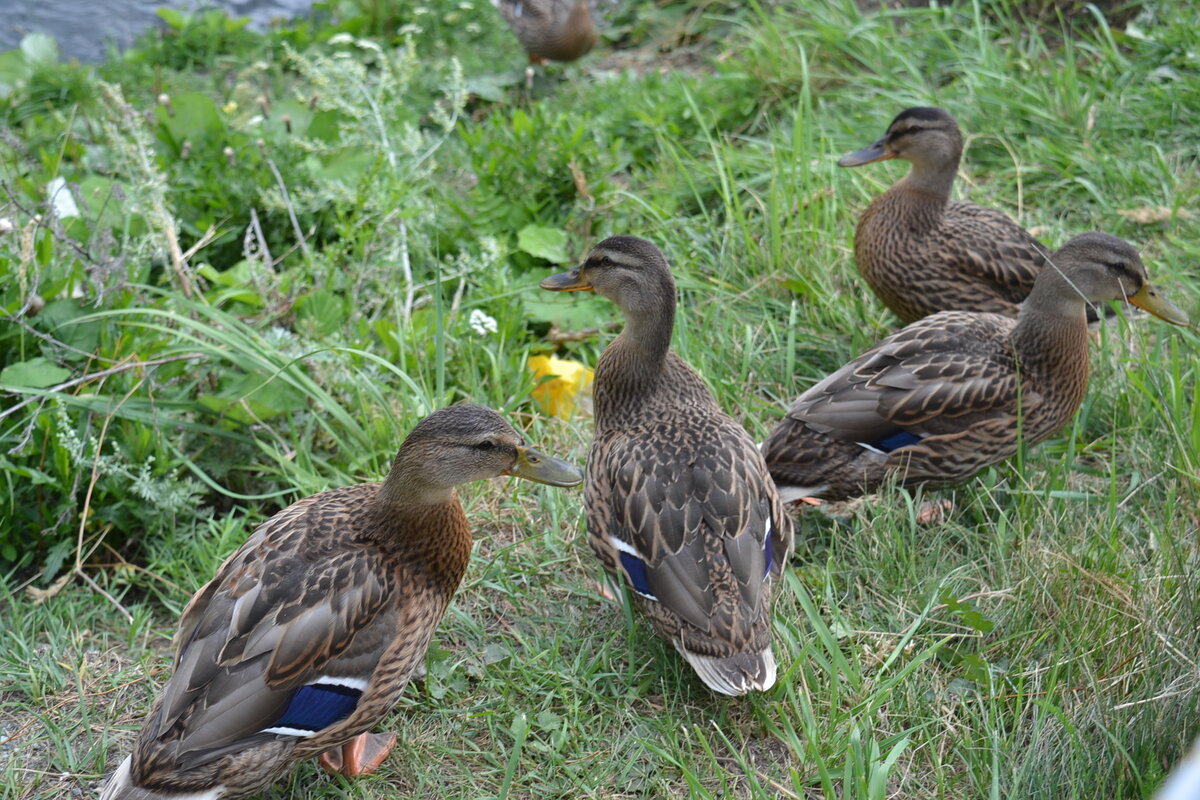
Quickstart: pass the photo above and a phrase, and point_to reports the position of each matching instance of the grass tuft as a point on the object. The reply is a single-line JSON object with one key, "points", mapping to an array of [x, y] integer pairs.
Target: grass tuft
{"points": [[285, 243]]}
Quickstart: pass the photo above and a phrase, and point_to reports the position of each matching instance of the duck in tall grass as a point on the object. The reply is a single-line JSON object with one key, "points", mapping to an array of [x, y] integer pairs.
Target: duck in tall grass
{"points": [[550, 30], [958, 391], [308, 633], [679, 502], [920, 251]]}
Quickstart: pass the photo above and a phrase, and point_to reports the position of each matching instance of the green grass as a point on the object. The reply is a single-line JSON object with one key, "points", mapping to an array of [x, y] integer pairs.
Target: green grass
{"points": [[1041, 642]]}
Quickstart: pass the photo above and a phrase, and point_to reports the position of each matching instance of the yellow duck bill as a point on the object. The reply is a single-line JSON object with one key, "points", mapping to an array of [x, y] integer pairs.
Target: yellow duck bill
{"points": [[1148, 299], [571, 281], [538, 467]]}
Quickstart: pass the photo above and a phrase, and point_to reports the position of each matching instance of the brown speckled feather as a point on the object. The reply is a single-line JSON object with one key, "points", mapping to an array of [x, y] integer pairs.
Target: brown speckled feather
{"points": [[922, 252], [557, 30], [957, 391], [921, 255], [677, 485], [684, 484], [308, 633], [951, 377], [298, 601]]}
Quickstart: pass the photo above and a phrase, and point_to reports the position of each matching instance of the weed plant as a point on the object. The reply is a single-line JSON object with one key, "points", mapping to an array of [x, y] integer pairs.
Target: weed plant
{"points": [[282, 247]]}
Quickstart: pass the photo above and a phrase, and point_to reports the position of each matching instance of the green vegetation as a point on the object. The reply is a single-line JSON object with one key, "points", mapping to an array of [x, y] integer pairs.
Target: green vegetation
{"points": [[280, 241]]}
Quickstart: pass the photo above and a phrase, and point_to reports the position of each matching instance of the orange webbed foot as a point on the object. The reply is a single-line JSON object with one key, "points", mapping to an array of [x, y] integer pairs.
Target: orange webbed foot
{"points": [[359, 756], [932, 512]]}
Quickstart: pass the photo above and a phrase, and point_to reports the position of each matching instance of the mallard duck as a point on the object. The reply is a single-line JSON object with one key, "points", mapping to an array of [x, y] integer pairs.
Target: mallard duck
{"points": [[308, 633], [956, 391], [922, 252], [679, 503], [550, 30]]}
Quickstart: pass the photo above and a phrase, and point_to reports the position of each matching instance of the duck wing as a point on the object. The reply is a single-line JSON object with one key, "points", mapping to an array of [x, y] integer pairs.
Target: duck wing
{"points": [[282, 642], [935, 376], [987, 244], [689, 513]]}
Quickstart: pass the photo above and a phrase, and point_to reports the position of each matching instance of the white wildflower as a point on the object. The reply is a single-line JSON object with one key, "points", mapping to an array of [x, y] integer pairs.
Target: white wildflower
{"points": [[61, 199], [367, 44], [481, 323]]}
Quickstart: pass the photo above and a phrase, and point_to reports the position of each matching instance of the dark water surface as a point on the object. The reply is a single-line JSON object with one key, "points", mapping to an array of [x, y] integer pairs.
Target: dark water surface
{"points": [[84, 27]]}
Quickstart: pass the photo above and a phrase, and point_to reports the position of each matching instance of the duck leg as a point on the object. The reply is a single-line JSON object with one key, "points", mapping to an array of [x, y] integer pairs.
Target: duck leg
{"points": [[362, 754], [932, 512]]}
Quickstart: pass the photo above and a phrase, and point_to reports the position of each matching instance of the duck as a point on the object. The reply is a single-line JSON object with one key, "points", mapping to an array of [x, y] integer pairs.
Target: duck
{"points": [[678, 502], [957, 391], [550, 30], [920, 251], [309, 632]]}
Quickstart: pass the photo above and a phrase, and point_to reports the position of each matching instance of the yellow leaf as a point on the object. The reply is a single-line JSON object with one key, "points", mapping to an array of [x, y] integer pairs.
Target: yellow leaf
{"points": [[569, 385]]}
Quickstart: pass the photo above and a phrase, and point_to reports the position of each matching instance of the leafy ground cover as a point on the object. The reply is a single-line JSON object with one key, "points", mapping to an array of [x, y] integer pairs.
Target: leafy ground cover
{"points": [[285, 251]]}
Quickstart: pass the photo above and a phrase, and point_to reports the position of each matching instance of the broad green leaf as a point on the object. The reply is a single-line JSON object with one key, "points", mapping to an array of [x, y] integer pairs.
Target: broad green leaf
{"points": [[978, 621], [322, 310], [58, 319], [299, 118], [568, 312], [240, 274], [548, 721], [247, 399], [325, 125], [100, 196], [544, 242], [490, 87], [346, 165], [191, 116], [36, 373], [35, 476]]}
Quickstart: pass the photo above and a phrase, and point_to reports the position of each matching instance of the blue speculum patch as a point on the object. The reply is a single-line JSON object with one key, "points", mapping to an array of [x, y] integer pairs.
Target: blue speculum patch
{"points": [[318, 706], [894, 441], [635, 568]]}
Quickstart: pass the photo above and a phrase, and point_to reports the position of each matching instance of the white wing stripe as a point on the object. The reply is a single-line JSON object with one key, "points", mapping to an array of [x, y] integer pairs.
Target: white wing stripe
{"points": [[333, 680], [286, 731], [624, 547]]}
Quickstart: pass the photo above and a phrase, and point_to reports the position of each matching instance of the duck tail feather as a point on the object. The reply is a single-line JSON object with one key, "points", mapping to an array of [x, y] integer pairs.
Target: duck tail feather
{"points": [[735, 675]]}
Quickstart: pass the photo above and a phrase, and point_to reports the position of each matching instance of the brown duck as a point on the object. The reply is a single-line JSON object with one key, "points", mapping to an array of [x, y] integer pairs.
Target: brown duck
{"points": [[308, 633], [550, 30], [679, 503], [957, 391], [922, 252]]}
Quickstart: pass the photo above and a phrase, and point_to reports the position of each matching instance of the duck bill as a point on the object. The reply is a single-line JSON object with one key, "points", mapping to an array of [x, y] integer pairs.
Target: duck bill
{"points": [[876, 152], [541, 468], [572, 281], [1148, 299]]}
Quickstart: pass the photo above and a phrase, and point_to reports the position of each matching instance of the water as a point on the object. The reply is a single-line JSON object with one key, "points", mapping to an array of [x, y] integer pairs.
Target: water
{"points": [[84, 27]]}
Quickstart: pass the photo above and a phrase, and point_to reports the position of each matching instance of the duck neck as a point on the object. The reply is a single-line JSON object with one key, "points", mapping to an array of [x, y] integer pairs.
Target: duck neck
{"points": [[1051, 337], [631, 367], [408, 485], [424, 526], [917, 202], [931, 180]]}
